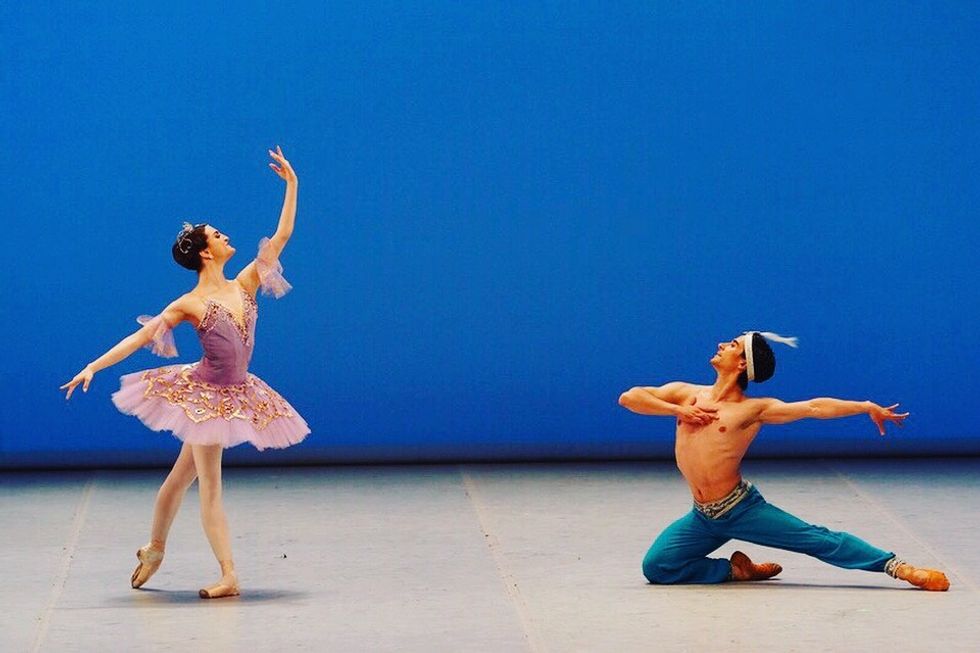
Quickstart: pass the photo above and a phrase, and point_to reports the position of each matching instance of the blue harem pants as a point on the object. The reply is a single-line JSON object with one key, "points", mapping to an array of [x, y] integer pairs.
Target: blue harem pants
{"points": [[679, 554]]}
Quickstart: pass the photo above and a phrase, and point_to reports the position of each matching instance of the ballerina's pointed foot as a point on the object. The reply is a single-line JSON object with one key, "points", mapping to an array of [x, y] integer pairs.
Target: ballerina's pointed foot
{"points": [[150, 558], [744, 569], [931, 580]]}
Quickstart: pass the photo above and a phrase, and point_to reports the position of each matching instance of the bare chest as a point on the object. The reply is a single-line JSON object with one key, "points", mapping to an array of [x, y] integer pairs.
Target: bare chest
{"points": [[730, 432]]}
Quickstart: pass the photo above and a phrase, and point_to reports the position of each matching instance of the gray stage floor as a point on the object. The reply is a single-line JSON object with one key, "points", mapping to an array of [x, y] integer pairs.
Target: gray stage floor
{"points": [[479, 558]]}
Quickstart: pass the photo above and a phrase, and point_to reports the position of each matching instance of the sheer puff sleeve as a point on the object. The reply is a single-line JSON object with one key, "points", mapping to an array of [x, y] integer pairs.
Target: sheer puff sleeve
{"points": [[269, 269], [162, 343]]}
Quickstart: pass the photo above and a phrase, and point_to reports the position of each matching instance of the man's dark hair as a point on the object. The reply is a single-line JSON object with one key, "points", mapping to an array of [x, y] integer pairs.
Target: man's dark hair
{"points": [[188, 247], [763, 361]]}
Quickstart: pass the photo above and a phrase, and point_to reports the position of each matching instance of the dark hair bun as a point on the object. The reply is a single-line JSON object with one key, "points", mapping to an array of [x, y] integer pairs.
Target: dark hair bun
{"points": [[188, 247]]}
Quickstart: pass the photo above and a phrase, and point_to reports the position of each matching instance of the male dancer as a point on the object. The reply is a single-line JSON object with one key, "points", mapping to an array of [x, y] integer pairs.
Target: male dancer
{"points": [[715, 426]]}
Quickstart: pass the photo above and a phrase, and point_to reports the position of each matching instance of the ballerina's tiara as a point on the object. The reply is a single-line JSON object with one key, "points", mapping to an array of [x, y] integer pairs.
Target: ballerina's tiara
{"points": [[768, 335], [184, 242]]}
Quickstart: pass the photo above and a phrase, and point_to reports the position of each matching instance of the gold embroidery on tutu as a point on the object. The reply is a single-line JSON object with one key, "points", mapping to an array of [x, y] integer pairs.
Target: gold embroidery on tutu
{"points": [[201, 401]]}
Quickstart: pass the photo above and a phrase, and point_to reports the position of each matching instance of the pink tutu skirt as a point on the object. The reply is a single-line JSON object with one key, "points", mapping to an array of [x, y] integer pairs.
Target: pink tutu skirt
{"points": [[197, 412]]}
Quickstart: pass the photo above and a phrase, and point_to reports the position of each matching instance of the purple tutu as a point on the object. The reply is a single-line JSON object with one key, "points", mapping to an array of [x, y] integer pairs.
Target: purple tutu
{"points": [[216, 400]]}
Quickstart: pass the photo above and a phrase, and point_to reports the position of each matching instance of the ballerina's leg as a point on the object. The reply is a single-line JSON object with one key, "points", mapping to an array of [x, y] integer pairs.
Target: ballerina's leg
{"points": [[168, 501], [171, 495], [207, 461]]}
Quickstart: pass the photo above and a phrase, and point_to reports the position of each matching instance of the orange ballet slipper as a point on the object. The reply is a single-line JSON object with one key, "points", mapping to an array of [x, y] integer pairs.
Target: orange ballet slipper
{"points": [[931, 580], [745, 569]]}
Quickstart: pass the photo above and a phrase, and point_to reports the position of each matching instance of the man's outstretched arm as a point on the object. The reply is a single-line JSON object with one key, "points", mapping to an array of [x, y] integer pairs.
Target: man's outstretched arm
{"points": [[668, 399], [775, 411]]}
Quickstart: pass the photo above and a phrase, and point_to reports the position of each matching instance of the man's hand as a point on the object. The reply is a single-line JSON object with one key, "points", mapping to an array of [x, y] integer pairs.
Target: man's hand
{"points": [[696, 415], [881, 415]]}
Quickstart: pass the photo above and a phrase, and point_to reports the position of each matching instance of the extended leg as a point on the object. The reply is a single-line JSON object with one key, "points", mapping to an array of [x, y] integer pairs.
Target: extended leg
{"points": [[768, 525], [171, 494], [764, 523], [168, 501]]}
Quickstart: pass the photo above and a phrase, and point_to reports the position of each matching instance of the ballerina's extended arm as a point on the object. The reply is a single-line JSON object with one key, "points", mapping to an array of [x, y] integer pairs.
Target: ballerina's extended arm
{"points": [[154, 332], [252, 276]]}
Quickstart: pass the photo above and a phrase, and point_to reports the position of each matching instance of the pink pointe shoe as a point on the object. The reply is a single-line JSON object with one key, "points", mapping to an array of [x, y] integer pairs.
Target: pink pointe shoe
{"points": [[150, 557], [227, 586]]}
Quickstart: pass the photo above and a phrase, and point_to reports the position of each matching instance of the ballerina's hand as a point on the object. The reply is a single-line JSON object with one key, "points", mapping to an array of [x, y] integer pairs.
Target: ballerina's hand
{"points": [[84, 377], [881, 415], [284, 170]]}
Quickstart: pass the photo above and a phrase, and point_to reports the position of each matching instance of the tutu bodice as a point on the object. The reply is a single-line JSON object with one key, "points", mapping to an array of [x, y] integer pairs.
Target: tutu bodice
{"points": [[227, 341]]}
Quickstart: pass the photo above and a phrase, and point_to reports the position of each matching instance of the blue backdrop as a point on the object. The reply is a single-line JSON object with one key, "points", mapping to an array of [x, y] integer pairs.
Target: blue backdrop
{"points": [[509, 213]]}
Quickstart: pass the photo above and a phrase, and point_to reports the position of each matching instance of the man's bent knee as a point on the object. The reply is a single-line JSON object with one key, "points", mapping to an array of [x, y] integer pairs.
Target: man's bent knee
{"points": [[656, 572]]}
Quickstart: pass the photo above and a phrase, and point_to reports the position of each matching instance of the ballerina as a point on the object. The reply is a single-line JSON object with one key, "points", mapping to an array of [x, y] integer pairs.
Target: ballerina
{"points": [[214, 403]]}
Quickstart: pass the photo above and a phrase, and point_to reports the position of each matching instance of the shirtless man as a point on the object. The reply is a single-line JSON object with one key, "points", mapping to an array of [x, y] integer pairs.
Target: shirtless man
{"points": [[715, 426]]}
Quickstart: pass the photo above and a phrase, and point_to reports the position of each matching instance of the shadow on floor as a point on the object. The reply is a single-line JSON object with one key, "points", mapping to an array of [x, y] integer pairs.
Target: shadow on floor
{"points": [[156, 597]]}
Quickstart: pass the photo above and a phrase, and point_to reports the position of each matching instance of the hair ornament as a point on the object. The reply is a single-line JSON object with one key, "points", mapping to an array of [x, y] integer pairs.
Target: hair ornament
{"points": [[184, 242]]}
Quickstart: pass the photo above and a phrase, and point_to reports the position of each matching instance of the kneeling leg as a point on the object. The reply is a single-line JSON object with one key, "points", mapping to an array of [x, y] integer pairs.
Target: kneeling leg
{"points": [[679, 555]]}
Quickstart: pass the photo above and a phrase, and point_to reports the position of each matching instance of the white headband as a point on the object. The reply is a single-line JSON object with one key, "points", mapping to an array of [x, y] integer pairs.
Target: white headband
{"points": [[768, 335]]}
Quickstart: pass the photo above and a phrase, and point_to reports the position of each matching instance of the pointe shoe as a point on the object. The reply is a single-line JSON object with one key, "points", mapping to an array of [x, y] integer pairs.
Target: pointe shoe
{"points": [[150, 560], [745, 569], [931, 580], [221, 589]]}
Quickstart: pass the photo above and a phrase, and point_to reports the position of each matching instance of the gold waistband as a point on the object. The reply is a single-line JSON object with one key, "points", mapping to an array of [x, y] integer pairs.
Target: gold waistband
{"points": [[715, 509]]}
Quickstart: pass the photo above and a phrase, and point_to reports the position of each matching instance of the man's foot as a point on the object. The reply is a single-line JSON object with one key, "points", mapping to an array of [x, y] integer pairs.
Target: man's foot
{"points": [[745, 569], [928, 579]]}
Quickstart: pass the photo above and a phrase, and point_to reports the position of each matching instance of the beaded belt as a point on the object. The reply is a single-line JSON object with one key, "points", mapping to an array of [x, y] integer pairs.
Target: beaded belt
{"points": [[716, 509]]}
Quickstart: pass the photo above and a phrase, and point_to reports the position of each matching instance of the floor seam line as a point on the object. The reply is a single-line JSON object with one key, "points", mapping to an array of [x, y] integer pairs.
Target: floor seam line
{"points": [[507, 577], [81, 513], [867, 498]]}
